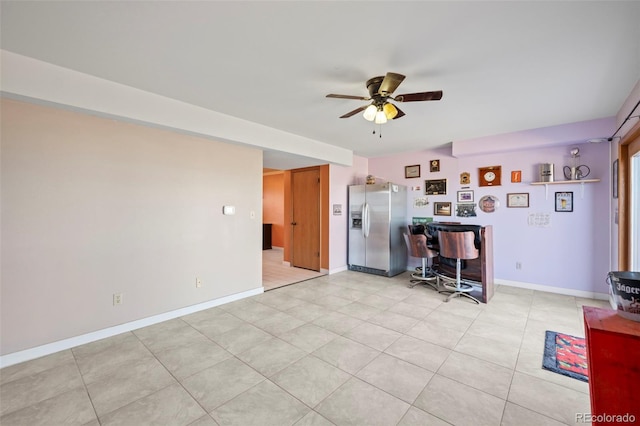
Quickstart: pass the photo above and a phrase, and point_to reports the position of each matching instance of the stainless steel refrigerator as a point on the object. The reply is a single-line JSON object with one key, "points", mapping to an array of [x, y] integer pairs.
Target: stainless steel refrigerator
{"points": [[377, 221]]}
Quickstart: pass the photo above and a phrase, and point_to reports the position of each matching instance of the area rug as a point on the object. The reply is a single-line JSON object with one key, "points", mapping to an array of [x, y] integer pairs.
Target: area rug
{"points": [[565, 354]]}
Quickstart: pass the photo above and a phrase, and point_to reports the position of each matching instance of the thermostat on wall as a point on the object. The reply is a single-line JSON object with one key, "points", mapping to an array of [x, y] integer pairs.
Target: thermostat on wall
{"points": [[228, 209]]}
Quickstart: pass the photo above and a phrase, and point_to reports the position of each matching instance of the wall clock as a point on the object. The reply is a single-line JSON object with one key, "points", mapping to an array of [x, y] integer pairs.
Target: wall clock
{"points": [[490, 176]]}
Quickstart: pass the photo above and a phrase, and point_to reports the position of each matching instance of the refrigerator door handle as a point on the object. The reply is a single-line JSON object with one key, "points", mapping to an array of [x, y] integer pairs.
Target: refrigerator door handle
{"points": [[365, 220]]}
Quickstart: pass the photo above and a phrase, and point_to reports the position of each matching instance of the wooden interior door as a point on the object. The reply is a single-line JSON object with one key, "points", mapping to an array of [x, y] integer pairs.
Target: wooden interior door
{"points": [[305, 218]]}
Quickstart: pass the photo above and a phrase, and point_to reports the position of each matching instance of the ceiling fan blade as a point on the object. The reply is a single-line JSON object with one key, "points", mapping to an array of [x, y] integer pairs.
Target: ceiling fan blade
{"points": [[399, 115], [360, 98], [390, 83], [422, 96], [354, 112]]}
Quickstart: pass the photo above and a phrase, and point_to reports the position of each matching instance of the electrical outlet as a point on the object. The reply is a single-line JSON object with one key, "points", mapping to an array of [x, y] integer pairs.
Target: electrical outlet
{"points": [[518, 265], [117, 299], [198, 282]]}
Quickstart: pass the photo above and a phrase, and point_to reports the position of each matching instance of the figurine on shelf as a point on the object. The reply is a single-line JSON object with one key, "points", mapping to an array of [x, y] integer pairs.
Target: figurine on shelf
{"points": [[576, 171]]}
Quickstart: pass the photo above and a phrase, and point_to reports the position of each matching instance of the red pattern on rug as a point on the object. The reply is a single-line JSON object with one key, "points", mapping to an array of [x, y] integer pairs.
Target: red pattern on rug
{"points": [[571, 354]]}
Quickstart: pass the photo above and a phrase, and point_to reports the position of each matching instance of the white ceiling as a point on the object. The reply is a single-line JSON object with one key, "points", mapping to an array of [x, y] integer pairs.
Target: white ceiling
{"points": [[503, 66]]}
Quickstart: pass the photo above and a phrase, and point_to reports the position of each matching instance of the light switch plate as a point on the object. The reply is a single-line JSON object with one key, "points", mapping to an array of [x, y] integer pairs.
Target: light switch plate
{"points": [[229, 210]]}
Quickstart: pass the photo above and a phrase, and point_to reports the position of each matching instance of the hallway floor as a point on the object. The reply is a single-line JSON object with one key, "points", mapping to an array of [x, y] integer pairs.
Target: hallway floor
{"points": [[275, 274], [343, 349]]}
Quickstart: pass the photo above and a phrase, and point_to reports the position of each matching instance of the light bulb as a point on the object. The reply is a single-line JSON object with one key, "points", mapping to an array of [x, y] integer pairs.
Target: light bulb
{"points": [[370, 112], [380, 117], [390, 111]]}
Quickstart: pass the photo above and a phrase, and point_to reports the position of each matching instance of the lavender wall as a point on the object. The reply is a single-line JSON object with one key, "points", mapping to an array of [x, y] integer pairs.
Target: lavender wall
{"points": [[572, 254]]}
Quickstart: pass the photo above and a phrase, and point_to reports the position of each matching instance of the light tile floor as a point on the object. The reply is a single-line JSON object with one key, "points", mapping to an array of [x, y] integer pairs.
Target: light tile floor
{"points": [[276, 274], [343, 349]]}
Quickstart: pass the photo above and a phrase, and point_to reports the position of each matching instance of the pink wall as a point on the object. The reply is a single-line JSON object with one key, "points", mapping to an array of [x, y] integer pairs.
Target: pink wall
{"points": [[573, 252], [341, 177]]}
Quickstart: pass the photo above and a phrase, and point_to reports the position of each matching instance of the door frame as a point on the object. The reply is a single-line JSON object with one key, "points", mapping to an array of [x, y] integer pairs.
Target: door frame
{"points": [[629, 145]]}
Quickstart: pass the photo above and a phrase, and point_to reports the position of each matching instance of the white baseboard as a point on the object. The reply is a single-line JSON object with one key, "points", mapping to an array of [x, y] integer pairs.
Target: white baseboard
{"points": [[557, 290], [340, 269], [546, 288], [48, 349]]}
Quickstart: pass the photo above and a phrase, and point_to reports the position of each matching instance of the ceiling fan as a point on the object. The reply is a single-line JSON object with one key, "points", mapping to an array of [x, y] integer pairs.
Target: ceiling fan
{"points": [[380, 92]]}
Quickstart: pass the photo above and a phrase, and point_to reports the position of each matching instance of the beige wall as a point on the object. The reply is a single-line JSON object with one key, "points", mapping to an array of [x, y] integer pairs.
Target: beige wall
{"points": [[93, 207]]}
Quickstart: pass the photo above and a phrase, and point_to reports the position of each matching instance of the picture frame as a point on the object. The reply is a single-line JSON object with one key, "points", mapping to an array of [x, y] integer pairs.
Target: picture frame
{"points": [[564, 201], [442, 208], [465, 196], [516, 176], [434, 166], [411, 172], [466, 210], [435, 187], [518, 200], [421, 202], [614, 179], [465, 178], [421, 220]]}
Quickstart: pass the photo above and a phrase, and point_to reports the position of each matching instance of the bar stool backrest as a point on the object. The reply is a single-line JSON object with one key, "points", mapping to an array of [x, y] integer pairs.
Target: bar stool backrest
{"points": [[457, 245], [418, 246]]}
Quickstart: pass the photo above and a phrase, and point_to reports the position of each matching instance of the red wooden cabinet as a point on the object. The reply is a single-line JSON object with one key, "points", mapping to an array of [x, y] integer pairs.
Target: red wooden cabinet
{"points": [[613, 358]]}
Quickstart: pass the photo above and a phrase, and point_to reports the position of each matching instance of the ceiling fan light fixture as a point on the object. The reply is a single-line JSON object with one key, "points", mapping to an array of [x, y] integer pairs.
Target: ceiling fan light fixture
{"points": [[390, 111], [381, 90], [381, 118], [370, 112]]}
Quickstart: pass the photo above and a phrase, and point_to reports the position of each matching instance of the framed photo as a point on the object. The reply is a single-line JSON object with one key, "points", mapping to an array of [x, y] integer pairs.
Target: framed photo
{"points": [[442, 209], [466, 210], [412, 171], [465, 196], [518, 199], [435, 187], [434, 166], [614, 179], [564, 201]]}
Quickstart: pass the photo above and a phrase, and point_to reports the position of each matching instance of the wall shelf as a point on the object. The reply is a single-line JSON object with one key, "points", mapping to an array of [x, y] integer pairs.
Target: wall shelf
{"points": [[565, 182], [558, 182]]}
